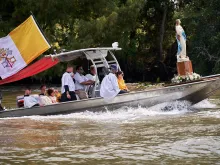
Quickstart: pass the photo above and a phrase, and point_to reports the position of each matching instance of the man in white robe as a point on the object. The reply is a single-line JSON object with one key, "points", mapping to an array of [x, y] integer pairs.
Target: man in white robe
{"points": [[181, 40], [109, 86]]}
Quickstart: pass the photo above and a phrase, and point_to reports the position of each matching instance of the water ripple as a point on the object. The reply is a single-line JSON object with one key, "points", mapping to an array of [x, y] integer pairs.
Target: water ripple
{"points": [[127, 136]]}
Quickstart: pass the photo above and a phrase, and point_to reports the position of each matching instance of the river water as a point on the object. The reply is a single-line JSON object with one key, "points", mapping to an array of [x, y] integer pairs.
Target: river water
{"points": [[144, 135]]}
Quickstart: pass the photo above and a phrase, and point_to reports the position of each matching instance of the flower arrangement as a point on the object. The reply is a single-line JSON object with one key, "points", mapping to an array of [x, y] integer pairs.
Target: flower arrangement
{"points": [[185, 78]]}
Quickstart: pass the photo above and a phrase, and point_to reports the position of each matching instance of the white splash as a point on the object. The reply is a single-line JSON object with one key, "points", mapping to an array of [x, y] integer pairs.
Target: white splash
{"points": [[128, 113], [125, 113], [204, 104]]}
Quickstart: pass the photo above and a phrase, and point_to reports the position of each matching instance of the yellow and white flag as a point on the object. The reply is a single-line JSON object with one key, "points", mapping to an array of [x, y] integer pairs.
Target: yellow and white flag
{"points": [[20, 47]]}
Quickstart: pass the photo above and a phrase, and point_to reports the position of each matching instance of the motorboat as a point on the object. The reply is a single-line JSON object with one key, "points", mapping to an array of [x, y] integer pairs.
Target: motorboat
{"points": [[102, 58]]}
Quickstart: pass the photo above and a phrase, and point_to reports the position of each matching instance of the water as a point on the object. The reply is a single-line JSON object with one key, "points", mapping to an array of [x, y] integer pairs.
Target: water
{"points": [[168, 133]]}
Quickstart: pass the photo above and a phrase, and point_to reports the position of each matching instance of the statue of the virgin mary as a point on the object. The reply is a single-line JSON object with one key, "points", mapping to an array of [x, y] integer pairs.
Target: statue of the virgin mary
{"points": [[181, 41]]}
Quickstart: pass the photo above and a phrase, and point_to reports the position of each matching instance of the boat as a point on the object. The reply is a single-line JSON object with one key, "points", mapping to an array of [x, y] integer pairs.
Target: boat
{"points": [[101, 58]]}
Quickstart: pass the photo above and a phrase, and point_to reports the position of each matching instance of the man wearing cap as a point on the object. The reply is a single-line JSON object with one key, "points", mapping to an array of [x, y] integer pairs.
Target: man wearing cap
{"points": [[109, 86]]}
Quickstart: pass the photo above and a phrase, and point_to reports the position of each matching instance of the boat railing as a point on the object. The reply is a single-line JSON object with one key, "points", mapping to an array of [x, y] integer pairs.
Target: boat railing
{"points": [[100, 61]]}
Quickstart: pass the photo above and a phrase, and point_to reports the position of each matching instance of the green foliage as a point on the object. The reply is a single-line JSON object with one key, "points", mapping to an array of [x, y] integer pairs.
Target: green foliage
{"points": [[203, 23], [136, 24]]}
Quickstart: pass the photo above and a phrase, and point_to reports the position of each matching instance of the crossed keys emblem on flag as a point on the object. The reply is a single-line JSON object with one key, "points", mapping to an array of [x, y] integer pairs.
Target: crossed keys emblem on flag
{"points": [[7, 58]]}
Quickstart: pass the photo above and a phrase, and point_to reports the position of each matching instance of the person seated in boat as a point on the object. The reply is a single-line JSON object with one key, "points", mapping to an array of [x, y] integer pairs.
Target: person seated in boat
{"points": [[43, 89], [68, 86], [51, 95], [109, 86], [81, 82], [91, 76], [58, 95], [43, 98], [121, 82], [30, 101]]}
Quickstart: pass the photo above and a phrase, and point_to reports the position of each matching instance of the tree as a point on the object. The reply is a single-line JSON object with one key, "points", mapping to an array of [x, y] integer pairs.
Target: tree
{"points": [[203, 23], [143, 28]]}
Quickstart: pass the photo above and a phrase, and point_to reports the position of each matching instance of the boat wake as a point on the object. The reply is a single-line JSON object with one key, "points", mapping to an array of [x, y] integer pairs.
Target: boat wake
{"points": [[204, 104], [130, 113]]}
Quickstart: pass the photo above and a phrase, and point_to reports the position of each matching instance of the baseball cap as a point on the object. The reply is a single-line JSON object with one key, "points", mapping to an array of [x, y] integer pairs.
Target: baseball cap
{"points": [[113, 66]]}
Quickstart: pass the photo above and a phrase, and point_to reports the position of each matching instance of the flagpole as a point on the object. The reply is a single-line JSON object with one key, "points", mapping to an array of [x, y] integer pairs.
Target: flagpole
{"points": [[40, 28]]}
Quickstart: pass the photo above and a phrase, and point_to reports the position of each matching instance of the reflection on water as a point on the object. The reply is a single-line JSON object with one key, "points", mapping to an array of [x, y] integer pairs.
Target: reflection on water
{"points": [[182, 135]]}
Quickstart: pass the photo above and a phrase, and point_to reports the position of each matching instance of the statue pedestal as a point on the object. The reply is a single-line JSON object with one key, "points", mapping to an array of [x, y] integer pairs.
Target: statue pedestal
{"points": [[184, 68]]}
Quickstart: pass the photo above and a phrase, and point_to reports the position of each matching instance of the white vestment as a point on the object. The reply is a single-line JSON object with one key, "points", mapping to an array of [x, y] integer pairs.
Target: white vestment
{"points": [[109, 86]]}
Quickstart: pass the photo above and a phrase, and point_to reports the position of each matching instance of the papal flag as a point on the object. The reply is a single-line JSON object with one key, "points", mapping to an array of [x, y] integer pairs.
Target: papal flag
{"points": [[20, 47]]}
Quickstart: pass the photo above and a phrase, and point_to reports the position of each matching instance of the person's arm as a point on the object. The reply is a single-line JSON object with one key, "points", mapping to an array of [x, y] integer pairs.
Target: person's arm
{"points": [[37, 100], [83, 81], [66, 83], [114, 81], [66, 86], [88, 82], [126, 88]]}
